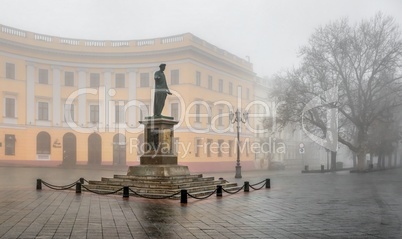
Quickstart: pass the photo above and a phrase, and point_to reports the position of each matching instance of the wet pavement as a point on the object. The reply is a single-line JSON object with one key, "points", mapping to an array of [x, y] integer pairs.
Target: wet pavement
{"points": [[331, 205]]}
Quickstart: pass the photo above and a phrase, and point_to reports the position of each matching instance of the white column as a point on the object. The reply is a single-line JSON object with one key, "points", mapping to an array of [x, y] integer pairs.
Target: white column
{"points": [[132, 95], [107, 78], [30, 88], [82, 107], [56, 97]]}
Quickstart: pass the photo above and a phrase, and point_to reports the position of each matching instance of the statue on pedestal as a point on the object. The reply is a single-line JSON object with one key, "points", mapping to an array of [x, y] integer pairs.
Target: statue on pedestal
{"points": [[161, 90]]}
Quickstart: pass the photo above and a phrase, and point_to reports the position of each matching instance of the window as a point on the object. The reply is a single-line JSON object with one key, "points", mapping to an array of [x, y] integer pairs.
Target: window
{"points": [[230, 148], [197, 147], [43, 76], [198, 78], [209, 142], [174, 77], [43, 143], [210, 82], [69, 78], [94, 80], [197, 113], [10, 71], [220, 142], [220, 87], [220, 121], [10, 107], [120, 80], [43, 111], [10, 144], [230, 88], [119, 114], [94, 113], [174, 110], [144, 80]]}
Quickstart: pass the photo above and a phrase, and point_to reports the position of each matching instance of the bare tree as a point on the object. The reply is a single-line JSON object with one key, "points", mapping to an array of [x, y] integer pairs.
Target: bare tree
{"points": [[363, 63]]}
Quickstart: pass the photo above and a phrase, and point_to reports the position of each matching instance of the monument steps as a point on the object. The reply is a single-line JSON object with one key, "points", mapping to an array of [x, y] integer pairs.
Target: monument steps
{"points": [[195, 191], [161, 186]]}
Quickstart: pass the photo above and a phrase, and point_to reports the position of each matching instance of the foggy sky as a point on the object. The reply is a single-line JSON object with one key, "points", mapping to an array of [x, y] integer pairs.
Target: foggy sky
{"points": [[268, 32]]}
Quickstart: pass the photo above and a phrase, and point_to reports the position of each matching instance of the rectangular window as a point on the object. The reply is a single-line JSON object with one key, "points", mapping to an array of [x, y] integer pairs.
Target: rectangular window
{"points": [[10, 71], [94, 80], [198, 78], [43, 111], [9, 144], [144, 80], [197, 113], [94, 113], [220, 89], [220, 142], [230, 88], [69, 78], [10, 107], [220, 120], [197, 147], [119, 114], [209, 142], [174, 77], [120, 80], [210, 82], [174, 110], [43, 76]]}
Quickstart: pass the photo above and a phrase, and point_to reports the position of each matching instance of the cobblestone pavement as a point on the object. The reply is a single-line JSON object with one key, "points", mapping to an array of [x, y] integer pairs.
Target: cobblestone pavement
{"points": [[331, 205]]}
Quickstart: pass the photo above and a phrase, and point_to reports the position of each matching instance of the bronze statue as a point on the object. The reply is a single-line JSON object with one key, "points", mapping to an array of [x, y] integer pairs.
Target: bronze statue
{"points": [[161, 90]]}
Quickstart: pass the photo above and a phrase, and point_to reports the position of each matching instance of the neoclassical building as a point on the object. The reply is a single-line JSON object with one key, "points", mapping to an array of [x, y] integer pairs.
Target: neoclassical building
{"points": [[77, 102]]}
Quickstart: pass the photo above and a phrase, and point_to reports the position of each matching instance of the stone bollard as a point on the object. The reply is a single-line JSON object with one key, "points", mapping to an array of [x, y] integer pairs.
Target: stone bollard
{"points": [[183, 196], [305, 167], [267, 183], [38, 184], [78, 187], [82, 180], [126, 193], [246, 186], [322, 168], [219, 190]]}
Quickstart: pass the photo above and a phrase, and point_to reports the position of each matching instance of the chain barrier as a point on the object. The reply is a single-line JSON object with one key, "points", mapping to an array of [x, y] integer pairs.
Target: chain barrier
{"points": [[205, 197], [251, 186], [126, 189], [101, 193], [57, 187], [226, 191], [149, 197], [255, 184]]}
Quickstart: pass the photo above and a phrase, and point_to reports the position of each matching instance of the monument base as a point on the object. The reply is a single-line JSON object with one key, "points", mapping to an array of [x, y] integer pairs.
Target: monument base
{"points": [[158, 170]]}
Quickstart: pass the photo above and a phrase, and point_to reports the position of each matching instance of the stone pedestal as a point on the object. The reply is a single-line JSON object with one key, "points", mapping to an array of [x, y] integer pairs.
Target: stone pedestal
{"points": [[159, 158]]}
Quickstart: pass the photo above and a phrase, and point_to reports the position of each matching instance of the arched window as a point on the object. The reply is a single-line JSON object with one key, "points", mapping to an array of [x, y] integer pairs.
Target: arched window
{"points": [[43, 143]]}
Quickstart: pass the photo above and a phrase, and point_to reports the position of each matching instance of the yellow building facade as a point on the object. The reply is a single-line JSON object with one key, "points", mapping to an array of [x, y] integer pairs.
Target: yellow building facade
{"points": [[79, 102]]}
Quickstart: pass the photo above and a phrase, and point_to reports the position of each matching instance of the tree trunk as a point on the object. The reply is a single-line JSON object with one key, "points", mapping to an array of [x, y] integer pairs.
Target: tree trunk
{"points": [[333, 160], [361, 160], [396, 157], [354, 160], [389, 160]]}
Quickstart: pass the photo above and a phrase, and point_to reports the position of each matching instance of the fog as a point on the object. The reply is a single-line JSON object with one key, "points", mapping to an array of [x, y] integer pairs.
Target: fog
{"points": [[268, 33]]}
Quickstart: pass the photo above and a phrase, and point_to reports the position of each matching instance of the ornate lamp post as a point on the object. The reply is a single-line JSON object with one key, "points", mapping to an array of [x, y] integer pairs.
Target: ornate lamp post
{"points": [[238, 117]]}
